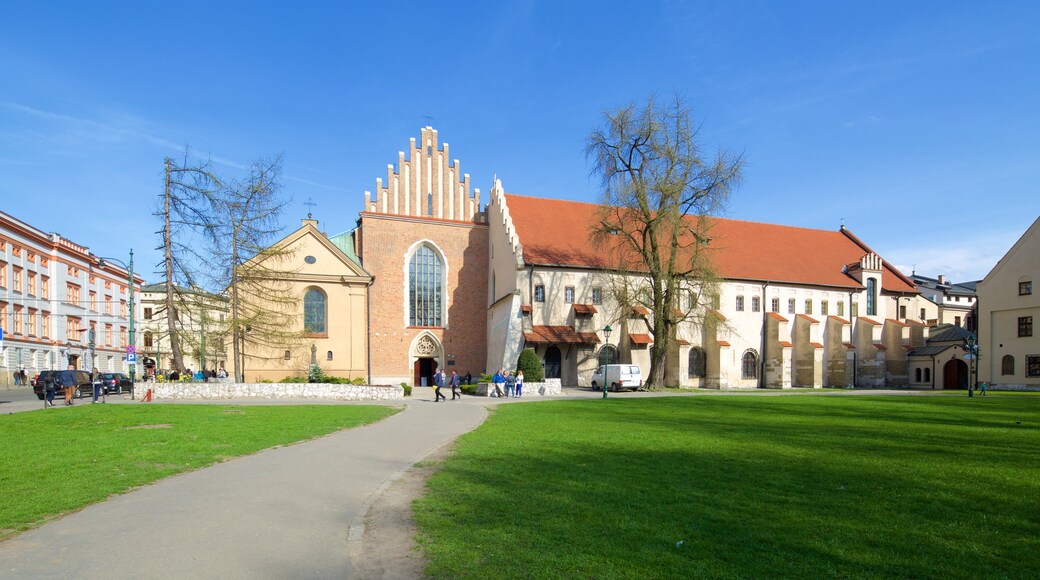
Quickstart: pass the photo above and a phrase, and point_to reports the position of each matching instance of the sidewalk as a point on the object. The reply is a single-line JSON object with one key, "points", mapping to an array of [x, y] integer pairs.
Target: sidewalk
{"points": [[281, 513]]}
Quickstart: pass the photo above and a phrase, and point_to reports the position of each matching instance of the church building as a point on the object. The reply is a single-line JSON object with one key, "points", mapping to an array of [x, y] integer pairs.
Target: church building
{"points": [[455, 285]]}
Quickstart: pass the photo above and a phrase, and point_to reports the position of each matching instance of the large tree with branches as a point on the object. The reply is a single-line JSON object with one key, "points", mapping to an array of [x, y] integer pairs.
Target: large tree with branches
{"points": [[659, 193]]}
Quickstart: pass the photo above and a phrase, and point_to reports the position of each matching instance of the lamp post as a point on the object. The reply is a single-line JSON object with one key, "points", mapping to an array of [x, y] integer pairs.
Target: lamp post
{"points": [[606, 332], [972, 356], [132, 340]]}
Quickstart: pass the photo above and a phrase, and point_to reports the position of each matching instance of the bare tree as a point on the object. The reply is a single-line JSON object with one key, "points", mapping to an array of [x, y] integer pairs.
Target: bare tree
{"points": [[263, 307], [658, 195], [187, 213]]}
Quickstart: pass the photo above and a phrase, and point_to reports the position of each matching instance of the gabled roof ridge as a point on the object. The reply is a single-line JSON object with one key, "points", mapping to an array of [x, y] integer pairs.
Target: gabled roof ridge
{"points": [[848, 233]]}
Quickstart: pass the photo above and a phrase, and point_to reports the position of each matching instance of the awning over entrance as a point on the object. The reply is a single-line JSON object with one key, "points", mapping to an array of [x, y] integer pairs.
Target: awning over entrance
{"points": [[560, 335]]}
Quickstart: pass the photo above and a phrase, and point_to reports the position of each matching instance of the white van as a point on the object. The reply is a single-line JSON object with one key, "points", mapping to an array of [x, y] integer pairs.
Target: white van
{"points": [[617, 377]]}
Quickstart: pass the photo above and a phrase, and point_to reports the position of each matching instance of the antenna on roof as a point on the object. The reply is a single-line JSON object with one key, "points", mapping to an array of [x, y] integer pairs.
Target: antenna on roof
{"points": [[309, 203], [842, 223]]}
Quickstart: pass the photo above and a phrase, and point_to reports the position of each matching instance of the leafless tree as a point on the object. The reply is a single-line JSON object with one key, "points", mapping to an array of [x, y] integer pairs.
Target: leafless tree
{"points": [[659, 193], [186, 210], [255, 271]]}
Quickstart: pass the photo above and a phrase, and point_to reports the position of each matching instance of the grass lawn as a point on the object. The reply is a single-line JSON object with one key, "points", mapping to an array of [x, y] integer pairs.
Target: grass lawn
{"points": [[56, 461], [753, 487]]}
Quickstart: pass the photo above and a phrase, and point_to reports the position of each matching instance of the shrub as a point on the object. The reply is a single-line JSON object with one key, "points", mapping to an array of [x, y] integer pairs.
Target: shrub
{"points": [[468, 389], [485, 378], [359, 381], [293, 380], [407, 389], [531, 365], [315, 374]]}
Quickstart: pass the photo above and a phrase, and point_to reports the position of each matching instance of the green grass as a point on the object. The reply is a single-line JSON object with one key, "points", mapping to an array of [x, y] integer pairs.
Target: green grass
{"points": [[57, 461], [752, 487]]}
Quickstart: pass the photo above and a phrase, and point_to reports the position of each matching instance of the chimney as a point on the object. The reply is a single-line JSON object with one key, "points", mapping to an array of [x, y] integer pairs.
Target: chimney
{"points": [[942, 279]]}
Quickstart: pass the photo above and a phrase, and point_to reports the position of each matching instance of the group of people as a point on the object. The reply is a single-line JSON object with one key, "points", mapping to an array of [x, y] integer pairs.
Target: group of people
{"points": [[21, 377], [440, 381], [513, 381], [65, 379], [202, 375]]}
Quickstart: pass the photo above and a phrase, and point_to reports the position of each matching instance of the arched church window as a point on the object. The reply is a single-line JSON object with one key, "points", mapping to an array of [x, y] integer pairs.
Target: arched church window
{"points": [[1007, 365], [696, 365], [315, 312], [425, 288], [749, 365]]}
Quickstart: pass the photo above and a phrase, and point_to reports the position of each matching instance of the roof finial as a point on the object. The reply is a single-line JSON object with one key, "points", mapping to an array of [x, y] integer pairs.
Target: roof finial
{"points": [[842, 223], [309, 203]]}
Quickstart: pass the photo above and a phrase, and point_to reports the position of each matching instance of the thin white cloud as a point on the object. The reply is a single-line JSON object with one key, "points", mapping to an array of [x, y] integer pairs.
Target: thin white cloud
{"points": [[961, 260], [90, 129]]}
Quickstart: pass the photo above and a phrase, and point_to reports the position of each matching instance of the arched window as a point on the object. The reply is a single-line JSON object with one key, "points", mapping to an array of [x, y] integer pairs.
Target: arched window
{"points": [[328, 356], [696, 369], [315, 312], [927, 375], [608, 355], [749, 365], [1007, 365], [288, 355], [425, 288], [871, 297], [917, 375], [148, 339]]}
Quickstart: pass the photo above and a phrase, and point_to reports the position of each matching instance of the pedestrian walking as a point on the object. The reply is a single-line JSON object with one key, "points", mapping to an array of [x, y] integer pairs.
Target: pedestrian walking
{"points": [[95, 378], [519, 383], [17, 378], [438, 382], [68, 383], [25, 377], [982, 390], [498, 381], [50, 384], [455, 386]]}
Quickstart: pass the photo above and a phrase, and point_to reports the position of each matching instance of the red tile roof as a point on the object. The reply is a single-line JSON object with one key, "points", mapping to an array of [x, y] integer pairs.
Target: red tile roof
{"points": [[896, 322], [809, 318], [718, 315], [641, 338], [525, 308], [869, 320], [584, 309], [640, 311], [786, 344], [849, 345], [840, 320], [683, 342], [560, 334], [555, 232], [776, 316], [815, 345], [722, 343], [880, 346]]}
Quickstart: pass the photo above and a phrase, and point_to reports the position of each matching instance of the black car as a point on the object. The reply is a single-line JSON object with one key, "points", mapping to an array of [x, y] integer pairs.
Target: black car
{"points": [[115, 383], [84, 388]]}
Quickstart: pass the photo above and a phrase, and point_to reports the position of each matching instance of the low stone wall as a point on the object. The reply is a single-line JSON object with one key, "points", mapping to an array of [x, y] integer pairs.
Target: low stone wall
{"points": [[271, 391], [549, 388]]}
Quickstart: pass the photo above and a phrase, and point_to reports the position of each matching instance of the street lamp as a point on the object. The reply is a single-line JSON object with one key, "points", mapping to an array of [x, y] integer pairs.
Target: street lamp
{"points": [[973, 350], [130, 278], [606, 332]]}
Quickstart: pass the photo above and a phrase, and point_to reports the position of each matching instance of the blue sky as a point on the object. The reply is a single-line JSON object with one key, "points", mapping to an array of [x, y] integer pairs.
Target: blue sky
{"points": [[915, 122]]}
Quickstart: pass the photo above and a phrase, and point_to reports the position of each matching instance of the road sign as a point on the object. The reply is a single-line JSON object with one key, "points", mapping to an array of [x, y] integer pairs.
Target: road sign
{"points": [[131, 357], [130, 349]]}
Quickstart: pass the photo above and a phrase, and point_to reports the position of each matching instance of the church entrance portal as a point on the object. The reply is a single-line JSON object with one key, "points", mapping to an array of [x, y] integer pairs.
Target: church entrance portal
{"points": [[552, 362], [955, 375], [424, 369]]}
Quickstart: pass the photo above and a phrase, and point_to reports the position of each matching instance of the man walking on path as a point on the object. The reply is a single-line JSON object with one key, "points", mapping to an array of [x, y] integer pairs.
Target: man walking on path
{"points": [[68, 382], [455, 386], [438, 382]]}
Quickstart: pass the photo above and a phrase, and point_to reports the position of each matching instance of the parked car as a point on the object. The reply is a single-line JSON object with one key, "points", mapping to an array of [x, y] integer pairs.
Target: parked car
{"points": [[84, 387], [617, 377], [115, 383]]}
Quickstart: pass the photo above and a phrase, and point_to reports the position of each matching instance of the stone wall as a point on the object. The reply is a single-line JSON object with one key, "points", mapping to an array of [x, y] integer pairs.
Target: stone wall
{"points": [[271, 391], [550, 388]]}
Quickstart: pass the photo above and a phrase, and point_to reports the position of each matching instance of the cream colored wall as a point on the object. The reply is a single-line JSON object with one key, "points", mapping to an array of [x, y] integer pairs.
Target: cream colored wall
{"points": [[346, 337], [1000, 307]]}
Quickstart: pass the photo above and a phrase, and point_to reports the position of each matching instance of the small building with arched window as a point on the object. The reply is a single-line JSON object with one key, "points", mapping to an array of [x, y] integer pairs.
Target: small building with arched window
{"points": [[329, 310]]}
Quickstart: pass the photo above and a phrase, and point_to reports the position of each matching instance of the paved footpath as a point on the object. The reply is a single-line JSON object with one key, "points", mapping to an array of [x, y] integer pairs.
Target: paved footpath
{"points": [[281, 513]]}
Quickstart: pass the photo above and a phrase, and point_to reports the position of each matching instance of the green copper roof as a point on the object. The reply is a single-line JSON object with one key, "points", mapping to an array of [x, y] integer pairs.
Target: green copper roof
{"points": [[345, 242]]}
